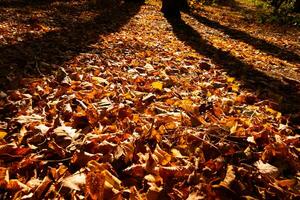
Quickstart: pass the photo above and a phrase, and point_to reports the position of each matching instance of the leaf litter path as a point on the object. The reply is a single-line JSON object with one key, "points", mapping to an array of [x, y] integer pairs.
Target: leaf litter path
{"points": [[142, 111]]}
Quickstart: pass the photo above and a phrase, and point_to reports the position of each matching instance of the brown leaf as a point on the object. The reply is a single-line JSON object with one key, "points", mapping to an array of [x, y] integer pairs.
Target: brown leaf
{"points": [[161, 156], [287, 183], [82, 158], [57, 149], [4, 177], [95, 185], [16, 185], [43, 187], [150, 162], [135, 170], [59, 172], [153, 192], [134, 194], [175, 171]]}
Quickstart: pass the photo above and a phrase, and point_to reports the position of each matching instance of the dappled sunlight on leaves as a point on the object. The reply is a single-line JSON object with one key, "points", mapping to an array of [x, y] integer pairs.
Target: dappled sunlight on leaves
{"points": [[138, 114]]}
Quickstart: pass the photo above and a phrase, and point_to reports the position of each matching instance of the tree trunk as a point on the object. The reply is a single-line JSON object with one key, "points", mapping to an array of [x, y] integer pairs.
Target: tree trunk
{"points": [[172, 8], [297, 6]]}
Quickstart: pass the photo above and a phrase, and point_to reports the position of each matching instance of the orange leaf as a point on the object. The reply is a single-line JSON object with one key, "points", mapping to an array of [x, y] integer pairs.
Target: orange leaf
{"points": [[95, 185]]}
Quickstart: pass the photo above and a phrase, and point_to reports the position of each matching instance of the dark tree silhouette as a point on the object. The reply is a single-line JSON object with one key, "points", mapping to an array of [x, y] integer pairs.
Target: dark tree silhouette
{"points": [[297, 6], [172, 8]]}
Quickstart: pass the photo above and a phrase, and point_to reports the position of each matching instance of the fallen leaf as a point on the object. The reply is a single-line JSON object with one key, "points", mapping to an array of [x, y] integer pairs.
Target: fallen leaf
{"points": [[157, 85], [44, 186], [95, 185], [2, 134], [229, 177], [266, 168], [161, 156], [75, 181]]}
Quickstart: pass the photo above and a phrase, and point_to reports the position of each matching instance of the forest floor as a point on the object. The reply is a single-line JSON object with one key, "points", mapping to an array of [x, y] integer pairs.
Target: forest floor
{"points": [[123, 102]]}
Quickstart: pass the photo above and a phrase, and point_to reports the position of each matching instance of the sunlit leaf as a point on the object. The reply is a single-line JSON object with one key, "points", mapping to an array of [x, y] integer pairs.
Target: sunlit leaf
{"points": [[162, 157], [74, 181], [157, 85], [2, 134], [266, 168]]}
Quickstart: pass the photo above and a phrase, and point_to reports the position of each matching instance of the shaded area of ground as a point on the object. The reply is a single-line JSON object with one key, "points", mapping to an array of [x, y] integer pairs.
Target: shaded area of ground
{"points": [[41, 54]]}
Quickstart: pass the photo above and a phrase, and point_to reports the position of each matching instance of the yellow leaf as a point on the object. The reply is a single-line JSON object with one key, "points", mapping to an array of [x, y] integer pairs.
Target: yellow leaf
{"points": [[99, 80], [230, 79], [270, 110], [2, 134], [157, 85], [233, 128], [176, 153], [208, 94], [127, 96], [235, 88], [186, 104], [155, 135], [136, 118]]}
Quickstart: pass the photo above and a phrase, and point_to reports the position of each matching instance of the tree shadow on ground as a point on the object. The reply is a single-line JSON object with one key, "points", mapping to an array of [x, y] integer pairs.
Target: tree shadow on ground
{"points": [[24, 3], [257, 43], [54, 48], [286, 95]]}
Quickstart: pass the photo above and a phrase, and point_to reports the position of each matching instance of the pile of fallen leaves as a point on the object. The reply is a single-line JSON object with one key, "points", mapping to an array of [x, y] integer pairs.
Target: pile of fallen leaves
{"points": [[154, 122]]}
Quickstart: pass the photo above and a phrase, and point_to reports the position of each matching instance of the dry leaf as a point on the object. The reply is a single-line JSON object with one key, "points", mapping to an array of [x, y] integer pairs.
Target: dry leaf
{"points": [[161, 156], [266, 168], [44, 186], [2, 134], [157, 85], [134, 194], [95, 185], [229, 177], [75, 181]]}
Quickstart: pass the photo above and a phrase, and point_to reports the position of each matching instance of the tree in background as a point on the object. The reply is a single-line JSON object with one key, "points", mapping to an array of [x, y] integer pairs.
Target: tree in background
{"points": [[290, 5], [297, 6], [276, 4]]}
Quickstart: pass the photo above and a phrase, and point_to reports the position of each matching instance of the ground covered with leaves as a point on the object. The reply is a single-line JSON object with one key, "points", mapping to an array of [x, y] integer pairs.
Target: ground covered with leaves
{"points": [[123, 103]]}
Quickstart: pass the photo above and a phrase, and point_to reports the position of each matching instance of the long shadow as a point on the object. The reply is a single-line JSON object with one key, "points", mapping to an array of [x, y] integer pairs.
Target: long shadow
{"points": [[257, 43], [287, 95], [56, 47], [23, 3]]}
